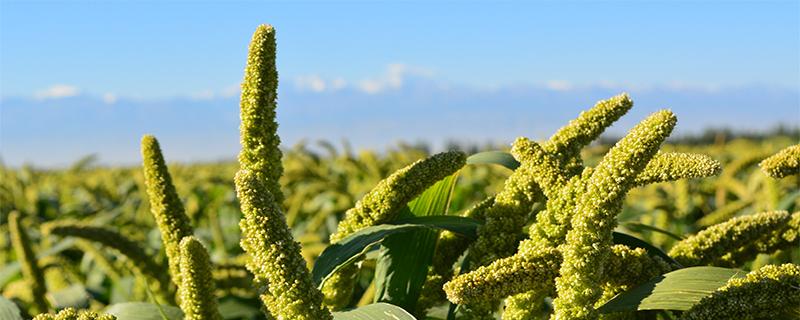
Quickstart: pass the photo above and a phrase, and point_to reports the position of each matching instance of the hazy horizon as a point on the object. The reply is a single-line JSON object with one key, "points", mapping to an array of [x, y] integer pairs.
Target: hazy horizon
{"points": [[81, 78]]}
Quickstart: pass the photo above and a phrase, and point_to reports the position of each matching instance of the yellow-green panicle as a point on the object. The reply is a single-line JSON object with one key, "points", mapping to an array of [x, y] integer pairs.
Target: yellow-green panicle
{"points": [[588, 244], [716, 244], [72, 314], [275, 259], [165, 204], [259, 138], [196, 291], [783, 164]]}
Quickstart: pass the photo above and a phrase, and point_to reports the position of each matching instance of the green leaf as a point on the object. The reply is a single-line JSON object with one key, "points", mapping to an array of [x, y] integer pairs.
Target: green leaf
{"points": [[351, 248], [74, 296], [143, 311], [402, 264], [634, 242], [9, 310], [233, 307], [787, 203], [494, 157], [639, 227], [677, 290], [375, 311]]}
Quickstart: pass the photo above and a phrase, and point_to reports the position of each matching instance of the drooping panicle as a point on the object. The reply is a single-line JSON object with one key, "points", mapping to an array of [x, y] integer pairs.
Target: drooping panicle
{"points": [[259, 138], [72, 314], [31, 272], [782, 164], [714, 245], [197, 291], [670, 166], [505, 277], [588, 244], [763, 294], [140, 259], [165, 204], [275, 260]]}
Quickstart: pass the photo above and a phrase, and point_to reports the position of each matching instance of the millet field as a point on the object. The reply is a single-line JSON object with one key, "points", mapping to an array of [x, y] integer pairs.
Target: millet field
{"points": [[564, 228]]}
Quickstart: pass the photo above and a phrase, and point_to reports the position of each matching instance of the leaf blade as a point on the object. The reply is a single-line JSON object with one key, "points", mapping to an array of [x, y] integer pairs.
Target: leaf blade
{"points": [[677, 290]]}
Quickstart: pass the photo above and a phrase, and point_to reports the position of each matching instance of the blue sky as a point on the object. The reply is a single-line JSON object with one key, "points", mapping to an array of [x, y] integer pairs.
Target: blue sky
{"points": [[378, 72]]}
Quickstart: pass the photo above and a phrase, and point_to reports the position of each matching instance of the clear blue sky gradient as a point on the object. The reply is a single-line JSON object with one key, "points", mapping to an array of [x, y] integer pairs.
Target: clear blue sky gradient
{"points": [[153, 49], [171, 52]]}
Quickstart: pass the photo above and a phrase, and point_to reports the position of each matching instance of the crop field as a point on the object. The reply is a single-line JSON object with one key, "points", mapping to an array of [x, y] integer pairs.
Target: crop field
{"points": [[570, 227]]}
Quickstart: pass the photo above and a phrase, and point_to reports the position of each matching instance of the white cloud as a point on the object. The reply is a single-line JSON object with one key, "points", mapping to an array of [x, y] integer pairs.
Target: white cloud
{"points": [[57, 91], [231, 91], [109, 98], [316, 83], [312, 82], [558, 85], [202, 95], [394, 78]]}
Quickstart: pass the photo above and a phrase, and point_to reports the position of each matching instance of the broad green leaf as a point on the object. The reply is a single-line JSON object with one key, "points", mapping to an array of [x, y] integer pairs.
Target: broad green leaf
{"points": [[9, 310], [494, 157], [403, 260], [351, 248], [638, 227], [634, 242], [677, 290], [74, 296], [144, 311], [375, 311]]}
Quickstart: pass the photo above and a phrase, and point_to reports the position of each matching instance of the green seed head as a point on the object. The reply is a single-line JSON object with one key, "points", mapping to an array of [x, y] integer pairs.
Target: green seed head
{"points": [[385, 201], [713, 245], [72, 314], [275, 260], [783, 164], [670, 166], [197, 292], [165, 204], [259, 138], [567, 142]]}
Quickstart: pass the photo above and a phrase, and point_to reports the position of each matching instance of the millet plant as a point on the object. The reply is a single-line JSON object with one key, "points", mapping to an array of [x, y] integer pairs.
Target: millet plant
{"points": [[288, 234]]}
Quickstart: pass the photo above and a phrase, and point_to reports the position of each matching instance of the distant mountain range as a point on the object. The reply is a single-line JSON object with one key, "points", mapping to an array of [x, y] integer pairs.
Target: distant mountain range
{"points": [[56, 132]]}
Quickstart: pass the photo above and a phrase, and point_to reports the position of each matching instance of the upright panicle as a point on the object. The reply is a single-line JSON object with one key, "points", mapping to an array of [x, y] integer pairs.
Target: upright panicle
{"points": [[567, 142], [382, 204], [259, 131], [274, 258], [588, 244], [165, 204], [198, 299]]}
